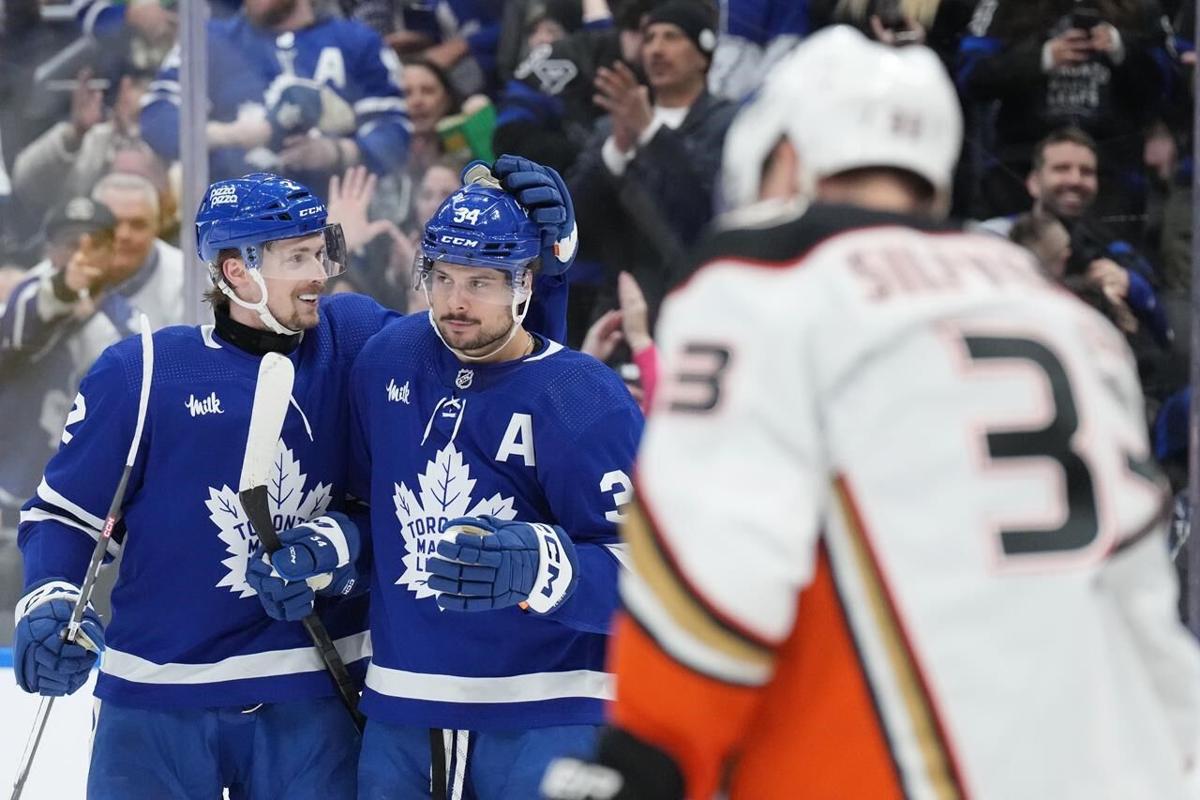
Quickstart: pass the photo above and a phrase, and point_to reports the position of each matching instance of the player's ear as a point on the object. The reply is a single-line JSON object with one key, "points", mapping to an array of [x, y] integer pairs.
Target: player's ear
{"points": [[234, 270]]}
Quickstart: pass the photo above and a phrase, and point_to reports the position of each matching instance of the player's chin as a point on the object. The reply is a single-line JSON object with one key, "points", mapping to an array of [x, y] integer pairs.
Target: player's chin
{"points": [[307, 315]]}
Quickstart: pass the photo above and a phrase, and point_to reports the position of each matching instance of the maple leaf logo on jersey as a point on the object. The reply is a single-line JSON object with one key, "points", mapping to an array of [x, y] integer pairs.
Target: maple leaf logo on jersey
{"points": [[446, 487], [289, 506]]}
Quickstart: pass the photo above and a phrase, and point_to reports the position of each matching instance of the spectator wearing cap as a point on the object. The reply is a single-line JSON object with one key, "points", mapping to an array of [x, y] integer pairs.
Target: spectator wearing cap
{"points": [[100, 271], [643, 188], [52, 328]]}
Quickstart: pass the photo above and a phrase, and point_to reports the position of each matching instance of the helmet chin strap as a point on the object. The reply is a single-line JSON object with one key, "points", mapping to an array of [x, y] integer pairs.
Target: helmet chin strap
{"points": [[517, 318], [259, 308]]}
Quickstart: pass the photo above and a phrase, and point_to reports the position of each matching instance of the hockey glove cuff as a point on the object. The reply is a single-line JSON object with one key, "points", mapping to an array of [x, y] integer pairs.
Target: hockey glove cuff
{"points": [[316, 549], [483, 563], [543, 193]]}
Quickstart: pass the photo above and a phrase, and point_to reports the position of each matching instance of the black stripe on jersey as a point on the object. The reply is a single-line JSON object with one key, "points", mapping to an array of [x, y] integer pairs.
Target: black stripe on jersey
{"points": [[791, 240], [1160, 517], [942, 771]]}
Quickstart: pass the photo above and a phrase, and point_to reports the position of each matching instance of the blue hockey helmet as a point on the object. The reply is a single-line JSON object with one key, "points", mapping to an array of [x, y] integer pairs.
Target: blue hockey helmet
{"points": [[481, 225], [247, 213], [244, 213]]}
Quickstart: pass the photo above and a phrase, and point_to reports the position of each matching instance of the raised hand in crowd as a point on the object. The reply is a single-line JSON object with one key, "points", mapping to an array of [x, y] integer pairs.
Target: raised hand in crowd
{"points": [[87, 104], [630, 323], [1072, 46], [627, 102], [85, 270], [349, 201], [1105, 39], [1113, 280], [635, 315], [603, 337]]}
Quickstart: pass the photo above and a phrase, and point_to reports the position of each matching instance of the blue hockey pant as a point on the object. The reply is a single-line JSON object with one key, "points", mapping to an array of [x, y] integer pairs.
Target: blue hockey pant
{"points": [[300, 751], [494, 765]]}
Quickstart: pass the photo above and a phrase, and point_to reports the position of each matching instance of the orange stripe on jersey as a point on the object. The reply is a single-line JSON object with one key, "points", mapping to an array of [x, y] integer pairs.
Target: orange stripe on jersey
{"points": [[939, 765], [812, 733]]}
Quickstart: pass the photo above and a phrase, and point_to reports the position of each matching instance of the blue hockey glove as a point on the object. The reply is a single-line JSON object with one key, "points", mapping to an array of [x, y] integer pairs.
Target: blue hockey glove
{"points": [[286, 601], [484, 563], [43, 662], [318, 555], [544, 194]]}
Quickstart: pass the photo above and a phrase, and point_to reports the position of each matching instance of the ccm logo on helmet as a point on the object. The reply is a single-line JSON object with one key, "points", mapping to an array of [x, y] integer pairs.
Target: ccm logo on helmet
{"points": [[304, 212], [461, 242]]}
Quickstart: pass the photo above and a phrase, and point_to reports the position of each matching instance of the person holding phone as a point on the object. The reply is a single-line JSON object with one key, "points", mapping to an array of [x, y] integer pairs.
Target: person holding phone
{"points": [[1101, 66]]}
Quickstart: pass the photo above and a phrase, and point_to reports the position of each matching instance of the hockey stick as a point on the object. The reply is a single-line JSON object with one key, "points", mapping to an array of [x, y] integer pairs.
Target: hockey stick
{"points": [[73, 631], [272, 394]]}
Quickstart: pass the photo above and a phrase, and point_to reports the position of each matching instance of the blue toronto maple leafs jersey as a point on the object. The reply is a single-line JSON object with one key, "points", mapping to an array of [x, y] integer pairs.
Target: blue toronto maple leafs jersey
{"points": [[186, 629], [547, 438], [243, 62]]}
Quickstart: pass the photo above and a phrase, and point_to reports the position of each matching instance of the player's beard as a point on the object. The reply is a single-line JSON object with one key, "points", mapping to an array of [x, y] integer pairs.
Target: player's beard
{"points": [[482, 339], [298, 314]]}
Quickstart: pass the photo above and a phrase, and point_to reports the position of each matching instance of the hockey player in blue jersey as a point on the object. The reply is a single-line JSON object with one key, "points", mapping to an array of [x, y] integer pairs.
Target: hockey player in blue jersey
{"points": [[497, 464], [200, 688], [291, 89]]}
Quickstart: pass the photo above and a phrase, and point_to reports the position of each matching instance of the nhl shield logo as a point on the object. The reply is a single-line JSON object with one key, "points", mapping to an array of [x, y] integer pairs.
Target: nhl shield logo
{"points": [[464, 378]]}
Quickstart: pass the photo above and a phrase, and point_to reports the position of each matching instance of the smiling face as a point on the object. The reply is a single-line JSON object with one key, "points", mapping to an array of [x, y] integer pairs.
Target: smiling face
{"points": [[137, 226], [426, 98], [1065, 184], [294, 273]]}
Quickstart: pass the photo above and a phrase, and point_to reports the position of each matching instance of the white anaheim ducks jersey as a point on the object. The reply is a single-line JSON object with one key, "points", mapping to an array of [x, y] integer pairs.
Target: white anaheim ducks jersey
{"points": [[899, 533]]}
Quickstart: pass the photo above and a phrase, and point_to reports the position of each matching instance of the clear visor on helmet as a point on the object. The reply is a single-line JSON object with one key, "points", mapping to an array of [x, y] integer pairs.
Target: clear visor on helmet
{"points": [[444, 281], [315, 256]]}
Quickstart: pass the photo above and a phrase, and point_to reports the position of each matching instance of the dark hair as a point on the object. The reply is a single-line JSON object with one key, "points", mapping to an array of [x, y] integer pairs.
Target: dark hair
{"points": [[1013, 21], [213, 294], [920, 188], [453, 95], [1070, 134], [627, 14], [1028, 229]]}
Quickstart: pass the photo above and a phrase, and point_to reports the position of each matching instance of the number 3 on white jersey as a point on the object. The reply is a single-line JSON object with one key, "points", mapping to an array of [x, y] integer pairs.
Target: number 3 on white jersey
{"points": [[1054, 439]]}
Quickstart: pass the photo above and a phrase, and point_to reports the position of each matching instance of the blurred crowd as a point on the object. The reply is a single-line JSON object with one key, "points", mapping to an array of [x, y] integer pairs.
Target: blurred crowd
{"points": [[1078, 147]]}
